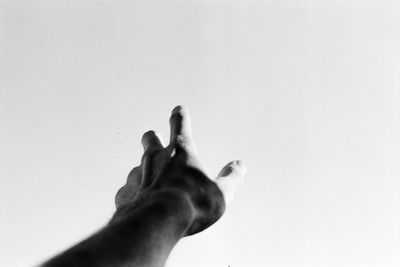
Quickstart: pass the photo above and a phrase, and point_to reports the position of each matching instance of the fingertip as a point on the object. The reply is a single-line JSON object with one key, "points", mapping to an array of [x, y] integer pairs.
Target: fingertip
{"points": [[235, 166], [230, 178], [240, 165], [179, 116], [147, 134], [151, 139], [180, 109]]}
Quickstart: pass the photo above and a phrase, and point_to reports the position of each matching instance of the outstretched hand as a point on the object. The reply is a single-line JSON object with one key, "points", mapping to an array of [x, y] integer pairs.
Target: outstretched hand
{"points": [[168, 196], [176, 169]]}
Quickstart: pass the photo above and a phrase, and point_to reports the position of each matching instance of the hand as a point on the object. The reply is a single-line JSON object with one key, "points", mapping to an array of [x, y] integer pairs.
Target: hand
{"points": [[167, 197], [176, 169]]}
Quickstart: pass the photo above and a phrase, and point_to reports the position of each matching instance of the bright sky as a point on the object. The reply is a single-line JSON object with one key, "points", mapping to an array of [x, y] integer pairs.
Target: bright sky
{"points": [[305, 92]]}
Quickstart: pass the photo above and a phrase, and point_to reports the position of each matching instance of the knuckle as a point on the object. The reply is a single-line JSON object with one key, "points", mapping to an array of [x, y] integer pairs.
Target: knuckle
{"points": [[120, 194], [134, 171], [180, 141], [181, 144]]}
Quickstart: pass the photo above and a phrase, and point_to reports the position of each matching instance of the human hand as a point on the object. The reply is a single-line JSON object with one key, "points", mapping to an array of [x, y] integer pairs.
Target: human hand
{"points": [[176, 169]]}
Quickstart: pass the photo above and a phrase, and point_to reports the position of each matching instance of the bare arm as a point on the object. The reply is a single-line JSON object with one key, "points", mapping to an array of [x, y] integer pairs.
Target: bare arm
{"points": [[166, 198]]}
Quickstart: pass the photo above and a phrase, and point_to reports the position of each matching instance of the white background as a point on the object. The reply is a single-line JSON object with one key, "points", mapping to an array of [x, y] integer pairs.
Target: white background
{"points": [[305, 92]]}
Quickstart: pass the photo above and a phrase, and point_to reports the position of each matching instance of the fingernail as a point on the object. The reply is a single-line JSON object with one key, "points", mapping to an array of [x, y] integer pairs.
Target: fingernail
{"points": [[237, 162], [241, 165], [177, 109]]}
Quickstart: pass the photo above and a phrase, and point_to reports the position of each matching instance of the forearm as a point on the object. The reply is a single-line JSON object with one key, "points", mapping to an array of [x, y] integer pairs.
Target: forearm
{"points": [[142, 235]]}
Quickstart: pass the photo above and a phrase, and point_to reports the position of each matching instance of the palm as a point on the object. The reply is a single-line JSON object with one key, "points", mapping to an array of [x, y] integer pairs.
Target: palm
{"points": [[177, 167]]}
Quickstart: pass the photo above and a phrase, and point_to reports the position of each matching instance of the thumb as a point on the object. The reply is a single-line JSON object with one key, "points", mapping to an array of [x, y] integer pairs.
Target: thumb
{"points": [[230, 178]]}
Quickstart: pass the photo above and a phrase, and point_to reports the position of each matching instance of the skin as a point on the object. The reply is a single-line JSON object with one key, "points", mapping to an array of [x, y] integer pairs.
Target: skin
{"points": [[167, 197]]}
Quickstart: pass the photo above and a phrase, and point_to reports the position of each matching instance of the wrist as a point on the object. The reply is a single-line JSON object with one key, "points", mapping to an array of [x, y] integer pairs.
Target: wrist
{"points": [[160, 218], [169, 206]]}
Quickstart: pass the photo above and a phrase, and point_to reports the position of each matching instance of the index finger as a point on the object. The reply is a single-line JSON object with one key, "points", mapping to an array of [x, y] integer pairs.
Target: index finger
{"points": [[181, 132]]}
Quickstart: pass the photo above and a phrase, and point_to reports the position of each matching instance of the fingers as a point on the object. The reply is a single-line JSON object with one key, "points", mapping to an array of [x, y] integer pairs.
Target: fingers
{"points": [[151, 141], [181, 132], [230, 178]]}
